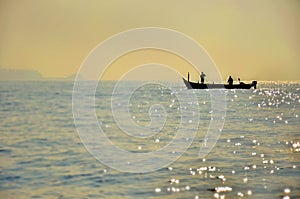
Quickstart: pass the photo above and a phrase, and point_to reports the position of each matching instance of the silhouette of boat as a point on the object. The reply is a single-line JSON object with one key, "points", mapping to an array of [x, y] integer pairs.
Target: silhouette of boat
{"points": [[195, 85]]}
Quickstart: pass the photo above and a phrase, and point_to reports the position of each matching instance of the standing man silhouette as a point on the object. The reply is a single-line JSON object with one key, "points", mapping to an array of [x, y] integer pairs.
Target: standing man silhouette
{"points": [[188, 76], [230, 81], [202, 76]]}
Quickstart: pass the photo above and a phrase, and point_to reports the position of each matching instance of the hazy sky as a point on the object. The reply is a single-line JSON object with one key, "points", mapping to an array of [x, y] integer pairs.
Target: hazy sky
{"points": [[248, 39]]}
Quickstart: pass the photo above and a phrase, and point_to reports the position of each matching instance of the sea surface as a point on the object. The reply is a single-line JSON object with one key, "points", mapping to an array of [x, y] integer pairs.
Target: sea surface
{"points": [[257, 154]]}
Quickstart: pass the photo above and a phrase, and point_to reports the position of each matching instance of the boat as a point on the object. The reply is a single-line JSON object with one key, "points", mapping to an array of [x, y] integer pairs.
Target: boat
{"points": [[241, 85]]}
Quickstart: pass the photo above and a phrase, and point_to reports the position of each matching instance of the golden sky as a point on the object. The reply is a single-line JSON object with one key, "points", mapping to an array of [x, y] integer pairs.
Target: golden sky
{"points": [[247, 39]]}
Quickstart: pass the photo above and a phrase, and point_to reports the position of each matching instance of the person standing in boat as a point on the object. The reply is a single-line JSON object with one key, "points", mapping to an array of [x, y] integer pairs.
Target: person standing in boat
{"points": [[202, 77], [230, 81]]}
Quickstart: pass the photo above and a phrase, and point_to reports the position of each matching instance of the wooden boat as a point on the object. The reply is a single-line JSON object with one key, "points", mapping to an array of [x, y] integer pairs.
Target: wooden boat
{"points": [[195, 85]]}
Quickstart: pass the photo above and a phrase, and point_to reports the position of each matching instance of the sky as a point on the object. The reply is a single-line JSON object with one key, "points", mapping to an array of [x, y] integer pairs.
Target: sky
{"points": [[247, 39]]}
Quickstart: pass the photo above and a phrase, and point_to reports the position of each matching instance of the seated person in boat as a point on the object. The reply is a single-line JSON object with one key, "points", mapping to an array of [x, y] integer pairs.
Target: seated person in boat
{"points": [[240, 81]]}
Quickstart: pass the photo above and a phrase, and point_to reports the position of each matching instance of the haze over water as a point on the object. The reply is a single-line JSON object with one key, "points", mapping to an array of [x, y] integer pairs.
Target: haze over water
{"points": [[256, 156]]}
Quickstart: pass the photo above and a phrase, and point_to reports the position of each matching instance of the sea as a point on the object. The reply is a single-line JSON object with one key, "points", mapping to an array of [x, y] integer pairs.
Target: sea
{"points": [[150, 143]]}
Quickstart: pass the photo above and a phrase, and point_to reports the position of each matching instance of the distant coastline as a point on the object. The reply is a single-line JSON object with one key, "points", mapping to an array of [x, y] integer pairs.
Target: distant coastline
{"points": [[28, 75], [34, 75], [14, 74]]}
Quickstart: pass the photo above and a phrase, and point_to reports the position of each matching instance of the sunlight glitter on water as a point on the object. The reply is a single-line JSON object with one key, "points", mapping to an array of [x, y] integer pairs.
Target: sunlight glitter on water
{"points": [[256, 156]]}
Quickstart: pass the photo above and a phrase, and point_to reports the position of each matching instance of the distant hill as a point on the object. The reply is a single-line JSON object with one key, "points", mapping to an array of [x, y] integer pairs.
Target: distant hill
{"points": [[13, 74]]}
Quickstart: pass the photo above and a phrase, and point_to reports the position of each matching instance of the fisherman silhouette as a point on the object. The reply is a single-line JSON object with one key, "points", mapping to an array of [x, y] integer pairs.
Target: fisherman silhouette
{"points": [[202, 76], [230, 81], [240, 81]]}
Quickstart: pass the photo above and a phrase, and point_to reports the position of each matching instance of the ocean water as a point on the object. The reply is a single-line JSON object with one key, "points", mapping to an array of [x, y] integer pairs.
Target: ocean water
{"points": [[256, 156]]}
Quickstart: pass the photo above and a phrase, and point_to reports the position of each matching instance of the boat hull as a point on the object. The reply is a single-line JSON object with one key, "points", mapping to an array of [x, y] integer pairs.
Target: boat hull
{"points": [[194, 85]]}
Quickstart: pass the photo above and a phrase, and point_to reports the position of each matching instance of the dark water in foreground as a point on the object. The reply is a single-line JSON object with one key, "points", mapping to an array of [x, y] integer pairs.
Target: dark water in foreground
{"points": [[256, 156]]}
